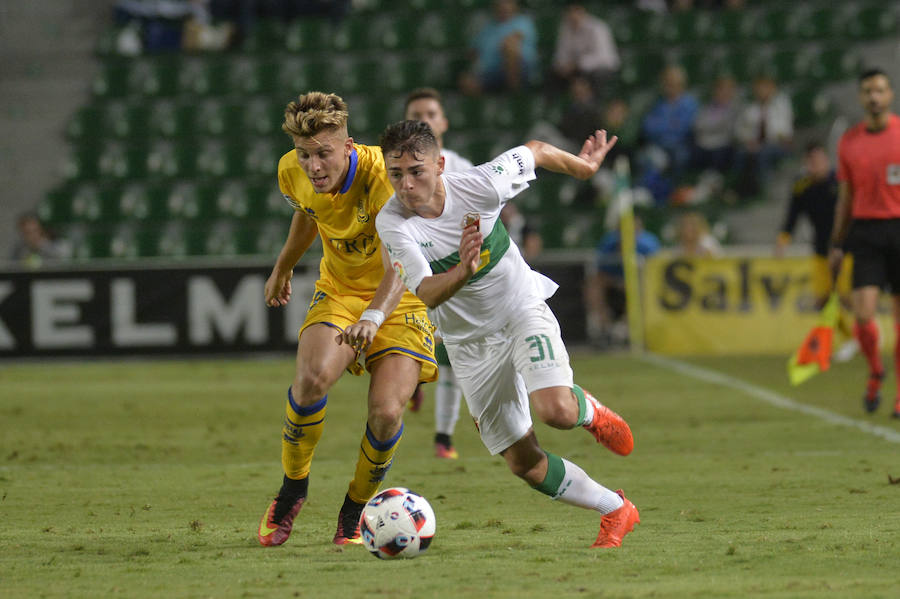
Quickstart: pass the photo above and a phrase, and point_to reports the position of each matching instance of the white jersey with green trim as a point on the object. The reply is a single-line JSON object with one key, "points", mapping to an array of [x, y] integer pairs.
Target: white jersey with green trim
{"points": [[420, 247]]}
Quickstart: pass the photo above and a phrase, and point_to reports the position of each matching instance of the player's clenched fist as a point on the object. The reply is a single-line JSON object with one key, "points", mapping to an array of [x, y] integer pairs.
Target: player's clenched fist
{"points": [[278, 288], [470, 248]]}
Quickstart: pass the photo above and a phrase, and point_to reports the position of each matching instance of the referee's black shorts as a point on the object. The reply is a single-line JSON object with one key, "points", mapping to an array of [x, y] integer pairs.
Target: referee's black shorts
{"points": [[875, 245]]}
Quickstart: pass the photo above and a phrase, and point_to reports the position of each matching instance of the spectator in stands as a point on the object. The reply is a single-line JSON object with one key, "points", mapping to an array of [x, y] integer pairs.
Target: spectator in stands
{"points": [[605, 288], [581, 115], [693, 239], [585, 47], [714, 127], [667, 130], [764, 131], [504, 52], [35, 244]]}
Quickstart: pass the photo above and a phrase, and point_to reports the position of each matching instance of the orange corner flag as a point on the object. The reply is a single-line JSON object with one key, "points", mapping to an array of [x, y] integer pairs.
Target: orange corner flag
{"points": [[814, 355]]}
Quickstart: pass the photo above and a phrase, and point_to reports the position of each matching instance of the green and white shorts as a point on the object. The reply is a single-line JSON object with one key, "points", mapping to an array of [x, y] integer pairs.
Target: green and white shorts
{"points": [[497, 372]]}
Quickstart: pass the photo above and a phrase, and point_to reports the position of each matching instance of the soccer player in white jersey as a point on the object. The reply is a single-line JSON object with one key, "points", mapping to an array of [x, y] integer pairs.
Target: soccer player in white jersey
{"points": [[446, 242], [425, 104]]}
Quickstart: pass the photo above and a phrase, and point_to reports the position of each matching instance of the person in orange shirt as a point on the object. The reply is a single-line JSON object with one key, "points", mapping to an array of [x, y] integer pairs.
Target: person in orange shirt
{"points": [[867, 221]]}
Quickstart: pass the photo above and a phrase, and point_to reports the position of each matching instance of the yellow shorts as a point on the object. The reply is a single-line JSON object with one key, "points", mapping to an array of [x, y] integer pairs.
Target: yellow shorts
{"points": [[821, 277], [407, 331]]}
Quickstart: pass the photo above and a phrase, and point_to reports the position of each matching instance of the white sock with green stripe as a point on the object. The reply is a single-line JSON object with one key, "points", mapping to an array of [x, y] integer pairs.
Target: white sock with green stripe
{"points": [[585, 407], [570, 484]]}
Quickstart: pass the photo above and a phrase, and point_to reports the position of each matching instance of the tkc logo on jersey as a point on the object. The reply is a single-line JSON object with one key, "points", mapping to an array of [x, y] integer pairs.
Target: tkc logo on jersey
{"points": [[364, 244]]}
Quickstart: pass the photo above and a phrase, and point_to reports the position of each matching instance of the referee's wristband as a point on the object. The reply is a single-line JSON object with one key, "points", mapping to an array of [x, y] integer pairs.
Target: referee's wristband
{"points": [[376, 316]]}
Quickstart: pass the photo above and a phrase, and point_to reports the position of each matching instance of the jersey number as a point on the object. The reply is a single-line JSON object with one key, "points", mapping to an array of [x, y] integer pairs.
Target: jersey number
{"points": [[537, 347]]}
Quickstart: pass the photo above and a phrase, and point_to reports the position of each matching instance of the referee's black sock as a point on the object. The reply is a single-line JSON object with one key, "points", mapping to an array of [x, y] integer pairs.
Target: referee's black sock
{"points": [[443, 439]]}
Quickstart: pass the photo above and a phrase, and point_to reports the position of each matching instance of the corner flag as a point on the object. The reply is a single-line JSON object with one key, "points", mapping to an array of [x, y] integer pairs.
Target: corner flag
{"points": [[814, 355]]}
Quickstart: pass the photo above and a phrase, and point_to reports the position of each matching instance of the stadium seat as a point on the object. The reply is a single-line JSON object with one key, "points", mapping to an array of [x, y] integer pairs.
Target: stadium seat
{"points": [[191, 200], [248, 76], [266, 35], [262, 116], [872, 22], [93, 204], [811, 106], [87, 242], [168, 159], [771, 24], [730, 26], [56, 206], [215, 158], [297, 76], [828, 62], [154, 77], [440, 30], [169, 119], [309, 35], [685, 27], [82, 162], [464, 112], [270, 236], [816, 22], [641, 67], [203, 76], [111, 81], [120, 161], [215, 117], [355, 34]]}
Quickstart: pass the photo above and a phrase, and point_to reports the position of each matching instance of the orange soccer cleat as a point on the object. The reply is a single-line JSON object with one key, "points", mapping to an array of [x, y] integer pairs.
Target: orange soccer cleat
{"points": [[444, 451], [348, 523], [276, 524], [609, 428], [615, 525]]}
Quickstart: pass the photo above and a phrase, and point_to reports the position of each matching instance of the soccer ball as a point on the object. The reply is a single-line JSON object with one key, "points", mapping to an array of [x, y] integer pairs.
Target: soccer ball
{"points": [[397, 523]]}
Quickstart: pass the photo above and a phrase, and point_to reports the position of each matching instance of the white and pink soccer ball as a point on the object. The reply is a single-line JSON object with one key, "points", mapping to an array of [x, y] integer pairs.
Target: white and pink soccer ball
{"points": [[397, 523]]}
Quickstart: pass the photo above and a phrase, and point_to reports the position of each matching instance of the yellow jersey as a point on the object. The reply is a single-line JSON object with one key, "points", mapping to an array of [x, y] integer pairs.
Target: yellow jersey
{"points": [[351, 262]]}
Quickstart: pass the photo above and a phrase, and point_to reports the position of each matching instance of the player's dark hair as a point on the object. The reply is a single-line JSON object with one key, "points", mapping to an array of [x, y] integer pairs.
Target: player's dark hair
{"points": [[408, 137], [869, 73], [423, 92]]}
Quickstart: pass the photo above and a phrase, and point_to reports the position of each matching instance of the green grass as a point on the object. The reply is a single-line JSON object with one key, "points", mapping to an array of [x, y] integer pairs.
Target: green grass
{"points": [[147, 479]]}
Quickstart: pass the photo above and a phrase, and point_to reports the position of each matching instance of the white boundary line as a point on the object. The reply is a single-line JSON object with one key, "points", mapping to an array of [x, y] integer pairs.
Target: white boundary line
{"points": [[767, 396]]}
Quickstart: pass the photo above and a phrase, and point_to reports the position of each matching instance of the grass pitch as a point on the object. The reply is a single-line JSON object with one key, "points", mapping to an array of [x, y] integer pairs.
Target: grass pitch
{"points": [[148, 479]]}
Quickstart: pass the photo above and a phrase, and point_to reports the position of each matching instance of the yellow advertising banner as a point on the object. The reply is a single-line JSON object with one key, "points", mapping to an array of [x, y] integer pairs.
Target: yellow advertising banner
{"points": [[719, 306]]}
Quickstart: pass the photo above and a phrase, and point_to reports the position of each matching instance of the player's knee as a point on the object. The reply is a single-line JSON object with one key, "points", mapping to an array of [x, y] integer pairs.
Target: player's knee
{"points": [[384, 416], [556, 408], [310, 384]]}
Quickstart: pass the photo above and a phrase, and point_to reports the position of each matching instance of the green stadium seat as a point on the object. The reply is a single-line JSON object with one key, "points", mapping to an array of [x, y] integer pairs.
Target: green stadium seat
{"points": [[297, 76], [309, 35], [111, 81], [816, 23], [169, 160], [784, 65], [82, 162], [641, 68], [215, 158], [730, 26], [214, 117], [174, 241], [154, 77], [547, 25], [828, 62], [811, 106], [439, 30], [270, 236], [873, 22], [233, 201], [143, 201], [685, 26], [120, 161], [275, 206], [464, 112], [249, 76], [772, 24], [169, 119], [355, 34], [203, 76], [262, 116], [88, 243], [56, 207], [93, 204], [84, 123], [191, 200], [698, 65], [267, 35]]}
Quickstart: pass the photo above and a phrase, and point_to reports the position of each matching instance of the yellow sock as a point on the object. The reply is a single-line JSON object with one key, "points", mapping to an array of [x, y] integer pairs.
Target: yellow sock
{"points": [[374, 461], [301, 433]]}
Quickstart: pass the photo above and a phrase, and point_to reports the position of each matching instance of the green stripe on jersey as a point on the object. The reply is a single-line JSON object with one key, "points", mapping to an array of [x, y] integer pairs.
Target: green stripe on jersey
{"points": [[492, 250]]}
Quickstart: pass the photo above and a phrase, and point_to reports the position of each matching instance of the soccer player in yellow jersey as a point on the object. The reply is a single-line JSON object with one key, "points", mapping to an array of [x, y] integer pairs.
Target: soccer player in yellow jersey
{"points": [[336, 188]]}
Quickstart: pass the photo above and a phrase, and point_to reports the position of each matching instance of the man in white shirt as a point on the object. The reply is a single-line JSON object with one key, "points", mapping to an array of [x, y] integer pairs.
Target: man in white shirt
{"points": [[425, 104], [585, 47], [448, 245]]}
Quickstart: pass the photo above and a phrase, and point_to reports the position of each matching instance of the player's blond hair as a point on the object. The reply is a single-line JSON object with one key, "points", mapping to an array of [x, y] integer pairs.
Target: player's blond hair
{"points": [[313, 113]]}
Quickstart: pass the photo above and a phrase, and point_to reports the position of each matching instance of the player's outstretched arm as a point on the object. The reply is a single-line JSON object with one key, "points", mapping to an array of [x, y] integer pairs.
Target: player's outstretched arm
{"points": [[360, 334], [301, 235], [437, 289], [582, 166]]}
